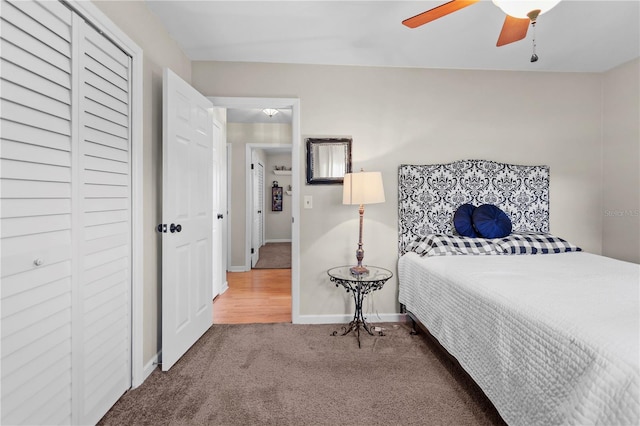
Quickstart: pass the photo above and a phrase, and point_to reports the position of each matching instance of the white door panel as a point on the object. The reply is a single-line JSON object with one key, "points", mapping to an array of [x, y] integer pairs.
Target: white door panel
{"points": [[257, 201], [187, 201]]}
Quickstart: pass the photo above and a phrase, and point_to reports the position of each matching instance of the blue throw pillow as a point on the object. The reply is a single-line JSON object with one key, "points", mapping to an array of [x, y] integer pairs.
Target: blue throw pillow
{"points": [[463, 222], [491, 222]]}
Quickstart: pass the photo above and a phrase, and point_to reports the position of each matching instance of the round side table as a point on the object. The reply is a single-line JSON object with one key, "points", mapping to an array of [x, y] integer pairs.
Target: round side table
{"points": [[359, 285]]}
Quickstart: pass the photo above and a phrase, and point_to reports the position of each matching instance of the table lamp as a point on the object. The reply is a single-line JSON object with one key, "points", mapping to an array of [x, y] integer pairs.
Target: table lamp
{"points": [[362, 188]]}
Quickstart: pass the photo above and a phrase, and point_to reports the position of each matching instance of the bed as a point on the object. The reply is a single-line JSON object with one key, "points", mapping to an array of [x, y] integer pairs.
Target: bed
{"points": [[549, 332]]}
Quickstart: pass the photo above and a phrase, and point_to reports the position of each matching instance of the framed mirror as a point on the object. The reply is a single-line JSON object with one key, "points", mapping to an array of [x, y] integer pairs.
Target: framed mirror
{"points": [[328, 160]]}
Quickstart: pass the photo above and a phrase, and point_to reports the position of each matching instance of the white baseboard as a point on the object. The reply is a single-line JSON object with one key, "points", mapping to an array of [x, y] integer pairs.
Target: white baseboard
{"points": [[346, 318], [278, 241], [225, 287], [237, 269]]}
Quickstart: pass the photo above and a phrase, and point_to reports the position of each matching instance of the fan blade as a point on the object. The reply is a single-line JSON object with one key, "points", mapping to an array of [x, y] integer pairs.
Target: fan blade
{"points": [[437, 12], [513, 29]]}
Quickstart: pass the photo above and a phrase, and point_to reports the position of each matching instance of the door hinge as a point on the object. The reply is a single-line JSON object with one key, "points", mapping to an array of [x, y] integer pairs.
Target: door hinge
{"points": [[251, 166], [251, 251]]}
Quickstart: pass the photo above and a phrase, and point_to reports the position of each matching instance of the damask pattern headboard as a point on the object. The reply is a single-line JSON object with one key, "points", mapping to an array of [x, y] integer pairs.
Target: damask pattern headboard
{"points": [[430, 194]]}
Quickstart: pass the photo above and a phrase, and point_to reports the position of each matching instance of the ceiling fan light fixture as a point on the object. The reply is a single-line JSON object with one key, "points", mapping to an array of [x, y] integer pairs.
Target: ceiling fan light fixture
{"points": [[522, 8], [270, 111]]}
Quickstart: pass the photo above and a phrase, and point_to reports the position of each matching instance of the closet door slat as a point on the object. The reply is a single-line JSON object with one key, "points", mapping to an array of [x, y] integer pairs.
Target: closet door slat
{"points": [[25, 170], [109, 81], [34, 117], [28, 70], [98, 82], [20, 226], [14, 34], [105, 126], [106, 191], [108, 60], [34, 100], [106, 152], [106, 139], [106, 100], [27, 189], [18, 151], [54, 16], [19, 132], [40, 30], [105, 204], [12, 207]]}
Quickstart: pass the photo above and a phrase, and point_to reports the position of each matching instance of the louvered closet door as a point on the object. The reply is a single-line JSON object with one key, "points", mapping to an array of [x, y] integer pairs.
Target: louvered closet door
{"points": [[66, 223], [36, 210], [104, 246]]}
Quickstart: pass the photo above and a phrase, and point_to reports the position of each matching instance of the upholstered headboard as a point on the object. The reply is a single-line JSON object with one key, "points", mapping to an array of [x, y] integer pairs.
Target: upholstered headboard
{"points": [[430, 194]]}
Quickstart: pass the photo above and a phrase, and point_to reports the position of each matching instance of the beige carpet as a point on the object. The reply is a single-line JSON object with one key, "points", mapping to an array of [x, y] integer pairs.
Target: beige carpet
{"points": [[274, 256], [284, 374]]}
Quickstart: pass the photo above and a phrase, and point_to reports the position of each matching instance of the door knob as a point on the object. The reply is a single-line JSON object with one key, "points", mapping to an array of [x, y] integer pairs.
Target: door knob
{"points": [[220, 216], [162, 227], [175, 228]]}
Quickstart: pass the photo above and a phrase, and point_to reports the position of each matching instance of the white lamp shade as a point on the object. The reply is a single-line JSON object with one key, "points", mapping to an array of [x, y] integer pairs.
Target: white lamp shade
{"points": [[363, 188], [520, 8]]}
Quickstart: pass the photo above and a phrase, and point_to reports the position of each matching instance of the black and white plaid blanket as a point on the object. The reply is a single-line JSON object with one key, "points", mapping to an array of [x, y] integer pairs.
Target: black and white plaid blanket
{"points": [[529, 243], [447, 245], [517, 243]]}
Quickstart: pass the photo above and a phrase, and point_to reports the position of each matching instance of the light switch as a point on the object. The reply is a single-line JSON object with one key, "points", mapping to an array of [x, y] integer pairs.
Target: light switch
{"points": [[308, 202]]}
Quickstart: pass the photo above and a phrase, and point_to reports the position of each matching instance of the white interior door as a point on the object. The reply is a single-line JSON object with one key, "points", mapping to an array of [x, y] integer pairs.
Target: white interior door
{"points": [[187, 232], [261, 204], [257, 206]]}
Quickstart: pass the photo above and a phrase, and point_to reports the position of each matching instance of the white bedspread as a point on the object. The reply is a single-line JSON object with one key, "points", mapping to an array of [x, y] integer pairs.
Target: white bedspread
{"points": [[551, 339]]}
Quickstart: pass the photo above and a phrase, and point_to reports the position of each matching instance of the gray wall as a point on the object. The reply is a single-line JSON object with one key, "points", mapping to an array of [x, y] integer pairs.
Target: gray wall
{"points": [[621, 162]]}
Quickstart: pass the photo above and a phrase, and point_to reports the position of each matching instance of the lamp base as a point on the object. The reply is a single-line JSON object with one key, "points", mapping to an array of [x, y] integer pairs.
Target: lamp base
{"points": [[359, 270]]}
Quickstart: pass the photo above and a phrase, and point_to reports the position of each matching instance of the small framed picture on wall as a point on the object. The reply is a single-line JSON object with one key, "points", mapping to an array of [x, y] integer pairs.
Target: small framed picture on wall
{"points": [[276, 197]]}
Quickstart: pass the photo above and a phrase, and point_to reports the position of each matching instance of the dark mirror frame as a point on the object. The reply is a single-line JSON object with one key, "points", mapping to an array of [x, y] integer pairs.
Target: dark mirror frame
{"points": [[313, 177]]}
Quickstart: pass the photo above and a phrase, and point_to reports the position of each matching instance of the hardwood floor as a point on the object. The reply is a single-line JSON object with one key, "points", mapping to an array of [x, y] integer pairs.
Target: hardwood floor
{"points": [[257, 296]]}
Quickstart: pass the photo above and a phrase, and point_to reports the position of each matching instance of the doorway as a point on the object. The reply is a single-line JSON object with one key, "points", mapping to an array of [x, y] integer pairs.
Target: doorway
{"points": [[241, 223], [270, 185]]}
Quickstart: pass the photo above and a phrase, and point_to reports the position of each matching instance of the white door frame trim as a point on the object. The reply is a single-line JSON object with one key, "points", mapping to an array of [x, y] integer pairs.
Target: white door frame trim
{"points": [[296, 143], [98, 19], [227, 205]]}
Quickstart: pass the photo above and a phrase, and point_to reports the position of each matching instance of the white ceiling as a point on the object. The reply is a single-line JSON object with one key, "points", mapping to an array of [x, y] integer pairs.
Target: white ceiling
{"points": [[575, 36]]}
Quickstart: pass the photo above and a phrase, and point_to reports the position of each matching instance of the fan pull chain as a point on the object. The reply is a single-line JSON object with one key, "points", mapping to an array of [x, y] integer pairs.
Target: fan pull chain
{"points": [[534, 56]]}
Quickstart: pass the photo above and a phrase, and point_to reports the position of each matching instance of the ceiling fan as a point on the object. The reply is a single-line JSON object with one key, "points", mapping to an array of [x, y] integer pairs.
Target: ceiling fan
{"points": [[520, 13]]}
